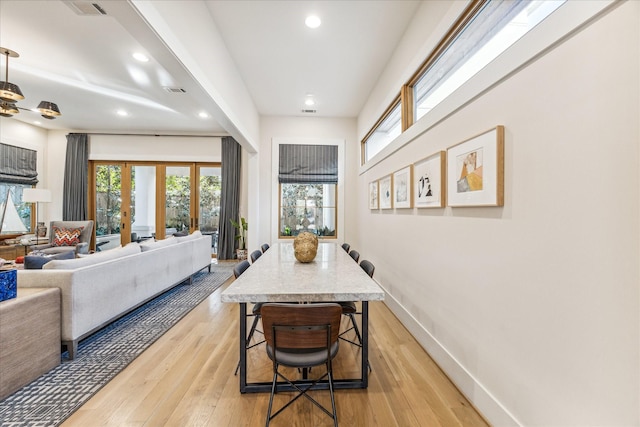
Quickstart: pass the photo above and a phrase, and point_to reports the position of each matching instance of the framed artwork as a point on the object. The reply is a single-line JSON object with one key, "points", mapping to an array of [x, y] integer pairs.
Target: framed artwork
{"points": [[475, 170], [374, 201], [386, 192], [429, 181], [402, 188]]}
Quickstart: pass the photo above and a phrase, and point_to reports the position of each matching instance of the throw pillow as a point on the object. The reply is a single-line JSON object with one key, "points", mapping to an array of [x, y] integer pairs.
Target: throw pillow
{"points": [[66, 236]]}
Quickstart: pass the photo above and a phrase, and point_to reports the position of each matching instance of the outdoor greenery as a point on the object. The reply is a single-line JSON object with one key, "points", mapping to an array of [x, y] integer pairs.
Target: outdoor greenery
{"points": [[303, 209], [177, 201], [108, 192]]}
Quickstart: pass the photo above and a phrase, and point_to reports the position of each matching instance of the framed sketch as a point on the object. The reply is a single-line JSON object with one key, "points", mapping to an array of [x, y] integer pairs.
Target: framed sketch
{"points": [[429, 181], [374, 201], [402, 188], [475, 170], [386, 192]]}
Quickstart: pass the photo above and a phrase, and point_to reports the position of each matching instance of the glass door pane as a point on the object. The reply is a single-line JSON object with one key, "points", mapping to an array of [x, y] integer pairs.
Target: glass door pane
{"points": [[177, 200], [209, 207], [143, 202], [108, 205]]}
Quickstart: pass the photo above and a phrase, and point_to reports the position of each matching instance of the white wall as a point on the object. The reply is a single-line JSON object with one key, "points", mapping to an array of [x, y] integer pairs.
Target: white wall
{"points": [[532, 309]]}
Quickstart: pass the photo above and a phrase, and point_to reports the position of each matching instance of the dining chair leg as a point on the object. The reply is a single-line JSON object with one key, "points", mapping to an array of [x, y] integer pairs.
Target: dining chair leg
{"points": [[273, 391], [333, 400]]}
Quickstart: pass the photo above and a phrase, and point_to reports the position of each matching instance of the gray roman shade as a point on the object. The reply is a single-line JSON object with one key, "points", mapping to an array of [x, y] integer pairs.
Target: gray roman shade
{"points": [[308, 164], [18, 165]]}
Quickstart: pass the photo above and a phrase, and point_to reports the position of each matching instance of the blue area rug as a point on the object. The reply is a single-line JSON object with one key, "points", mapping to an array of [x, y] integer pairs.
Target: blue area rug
{"points": [[53, 397]]}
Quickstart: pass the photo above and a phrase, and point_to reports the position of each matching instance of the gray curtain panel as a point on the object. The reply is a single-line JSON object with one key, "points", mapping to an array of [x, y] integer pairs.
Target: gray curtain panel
{"points": [[76, 170], [230, 197], [18, 165]]}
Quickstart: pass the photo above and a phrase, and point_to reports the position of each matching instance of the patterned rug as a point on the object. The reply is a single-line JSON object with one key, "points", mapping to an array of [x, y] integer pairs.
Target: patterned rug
{"points": [[53, 397]]}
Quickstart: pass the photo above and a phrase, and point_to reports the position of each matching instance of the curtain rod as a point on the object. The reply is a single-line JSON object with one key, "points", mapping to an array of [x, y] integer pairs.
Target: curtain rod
{"points": [[146, 134]]}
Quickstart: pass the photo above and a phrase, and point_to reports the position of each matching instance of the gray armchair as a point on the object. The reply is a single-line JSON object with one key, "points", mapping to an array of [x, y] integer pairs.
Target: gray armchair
{"points": [[54, 246]]}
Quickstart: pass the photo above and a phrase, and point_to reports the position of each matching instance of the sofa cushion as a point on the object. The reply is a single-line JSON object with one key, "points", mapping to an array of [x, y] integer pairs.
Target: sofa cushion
{"points": [[195, 235], [148, 246], [36, 262], [66, 236], [71, 264]]}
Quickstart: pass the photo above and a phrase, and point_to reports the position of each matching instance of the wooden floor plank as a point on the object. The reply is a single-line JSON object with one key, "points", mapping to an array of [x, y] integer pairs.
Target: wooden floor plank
{"points": [[186, 378]]}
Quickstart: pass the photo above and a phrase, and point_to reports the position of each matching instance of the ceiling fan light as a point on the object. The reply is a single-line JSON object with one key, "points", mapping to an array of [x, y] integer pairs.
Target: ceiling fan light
{"points": [[48, 110], [10, 92], [8, 109]]}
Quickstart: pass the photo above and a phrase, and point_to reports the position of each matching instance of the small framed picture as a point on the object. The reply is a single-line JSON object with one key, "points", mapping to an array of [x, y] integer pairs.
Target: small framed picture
{"points": [[402, 188], [386, 192], [475, 170], [429, 181], [374, 200]]}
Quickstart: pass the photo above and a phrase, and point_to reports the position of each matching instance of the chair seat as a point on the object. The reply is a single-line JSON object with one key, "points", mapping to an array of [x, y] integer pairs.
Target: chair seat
{"points": [[303, 358], [348, 307]]}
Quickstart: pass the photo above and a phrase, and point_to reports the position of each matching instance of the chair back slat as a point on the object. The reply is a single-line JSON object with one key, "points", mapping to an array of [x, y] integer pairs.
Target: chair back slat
{"points": [[255, 255], [368, 267], [240, 268], [297, 315]]}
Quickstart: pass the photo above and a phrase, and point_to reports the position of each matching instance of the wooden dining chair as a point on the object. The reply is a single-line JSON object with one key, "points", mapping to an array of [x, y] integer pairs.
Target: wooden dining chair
{"points": [[302, 336], [240, 268], [264, 247], [255, 255]]}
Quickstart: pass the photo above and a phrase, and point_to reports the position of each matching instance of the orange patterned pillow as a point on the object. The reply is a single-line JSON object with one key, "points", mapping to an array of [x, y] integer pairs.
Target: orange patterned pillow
{"points": [[66, 236]]}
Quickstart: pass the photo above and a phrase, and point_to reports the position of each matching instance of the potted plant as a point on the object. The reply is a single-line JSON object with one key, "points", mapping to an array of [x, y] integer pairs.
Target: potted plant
{"points": [[241, 237]]}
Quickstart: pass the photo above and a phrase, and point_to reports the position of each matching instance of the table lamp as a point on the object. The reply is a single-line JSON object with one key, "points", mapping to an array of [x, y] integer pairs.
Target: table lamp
{"points": [[37, 195]]}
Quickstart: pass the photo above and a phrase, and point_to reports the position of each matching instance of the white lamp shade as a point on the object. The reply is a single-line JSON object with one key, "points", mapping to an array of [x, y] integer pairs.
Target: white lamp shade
{"points": [[35, 195]]}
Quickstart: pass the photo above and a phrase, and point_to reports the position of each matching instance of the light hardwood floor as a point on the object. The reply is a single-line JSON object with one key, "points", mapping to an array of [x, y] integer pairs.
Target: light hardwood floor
{"points": [[186, 379]]}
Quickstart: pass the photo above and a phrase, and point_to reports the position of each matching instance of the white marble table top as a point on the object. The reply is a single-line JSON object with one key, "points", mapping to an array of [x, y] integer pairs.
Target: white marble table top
{"points": [[278, 277]]}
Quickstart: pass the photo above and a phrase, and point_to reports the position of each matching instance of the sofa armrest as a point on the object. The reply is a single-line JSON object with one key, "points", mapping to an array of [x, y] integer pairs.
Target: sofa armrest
{"points": [[41, 247], [82, 248]]}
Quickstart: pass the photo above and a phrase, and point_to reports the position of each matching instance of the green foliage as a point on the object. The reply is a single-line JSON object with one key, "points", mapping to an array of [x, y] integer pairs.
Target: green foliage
{"points": [[242, 228]]}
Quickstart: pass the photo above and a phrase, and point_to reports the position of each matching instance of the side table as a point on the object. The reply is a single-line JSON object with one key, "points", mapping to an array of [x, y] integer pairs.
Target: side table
{"points": [[29, 337]]}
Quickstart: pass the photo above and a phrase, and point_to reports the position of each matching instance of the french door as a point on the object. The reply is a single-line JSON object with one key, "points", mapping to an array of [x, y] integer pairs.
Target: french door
{"points": [[135, 201]]}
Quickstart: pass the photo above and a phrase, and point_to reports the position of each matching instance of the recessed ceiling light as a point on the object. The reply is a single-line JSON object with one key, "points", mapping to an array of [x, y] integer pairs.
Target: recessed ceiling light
{"points": [[309, 101], [203, 114], [141, 57], [122, 113], [37, 123], [312, 21]]}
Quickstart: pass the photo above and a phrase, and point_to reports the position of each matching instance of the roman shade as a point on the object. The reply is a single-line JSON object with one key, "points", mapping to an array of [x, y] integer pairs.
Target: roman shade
{"points": [[18, 165], [308, 164]]}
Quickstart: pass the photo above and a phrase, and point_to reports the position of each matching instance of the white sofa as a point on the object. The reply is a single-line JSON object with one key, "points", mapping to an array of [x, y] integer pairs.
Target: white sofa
{"points": [[99, 288]]}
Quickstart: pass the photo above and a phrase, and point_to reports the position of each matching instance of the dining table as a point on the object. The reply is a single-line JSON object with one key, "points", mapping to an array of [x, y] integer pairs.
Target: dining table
{"points": [[277, 276]]}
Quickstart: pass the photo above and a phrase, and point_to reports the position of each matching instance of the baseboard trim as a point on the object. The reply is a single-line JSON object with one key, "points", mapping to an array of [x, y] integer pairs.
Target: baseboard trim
{"points": [[484, 402]]}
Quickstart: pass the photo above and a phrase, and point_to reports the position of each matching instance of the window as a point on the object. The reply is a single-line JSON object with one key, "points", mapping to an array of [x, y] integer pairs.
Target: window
{"points": [[485, 30], [17, 172], [308, 177], [490, 32], [389, 129], [308, 207]]}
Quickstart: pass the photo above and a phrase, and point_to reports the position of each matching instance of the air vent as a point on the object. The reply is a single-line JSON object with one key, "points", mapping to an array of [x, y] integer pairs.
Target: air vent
{"points": [[86, 8], [174, 89], [309, 111]]}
